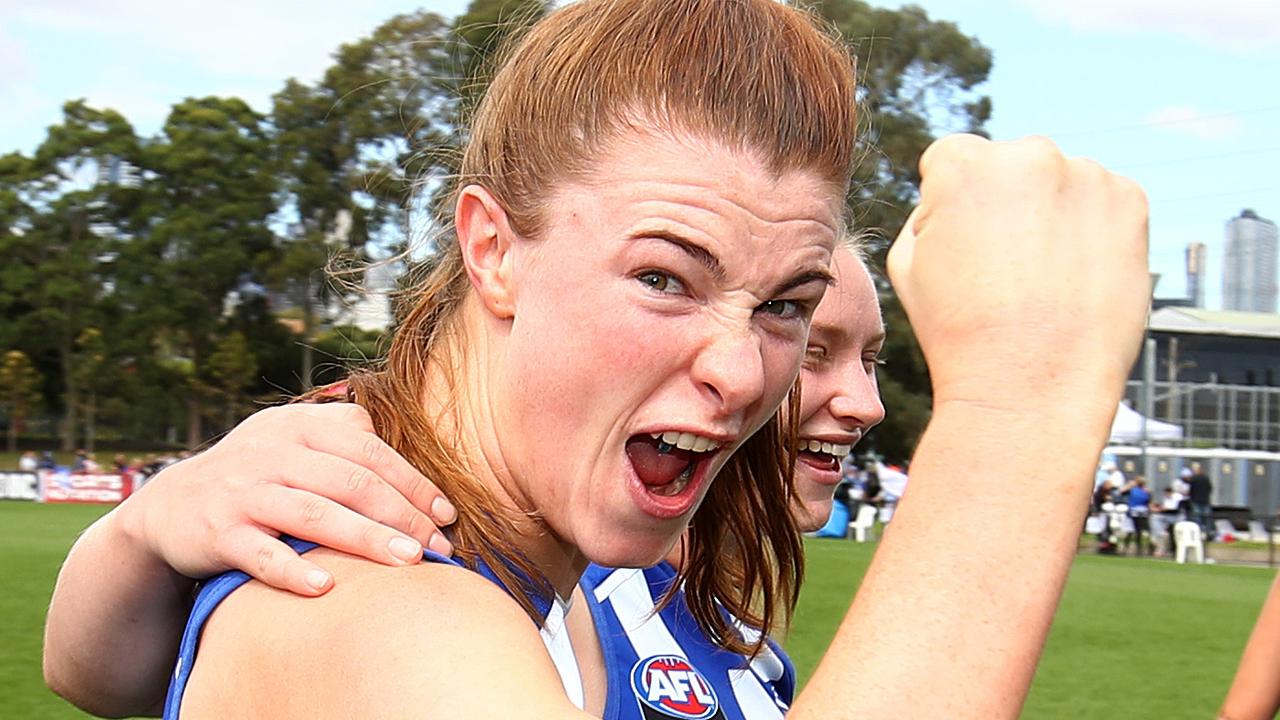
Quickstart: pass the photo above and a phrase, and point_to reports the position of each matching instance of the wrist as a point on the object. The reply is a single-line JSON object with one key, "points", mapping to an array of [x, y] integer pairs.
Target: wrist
{"points": [[1031, 438], [128, 531]]}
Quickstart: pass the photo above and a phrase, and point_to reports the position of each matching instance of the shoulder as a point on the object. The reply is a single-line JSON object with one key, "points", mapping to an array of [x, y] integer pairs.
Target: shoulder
{"points": [[382, 641]]}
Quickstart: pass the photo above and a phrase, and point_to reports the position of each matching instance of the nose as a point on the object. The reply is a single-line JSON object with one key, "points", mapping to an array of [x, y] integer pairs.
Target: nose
{"points": [[730, 370], [858, 401]]}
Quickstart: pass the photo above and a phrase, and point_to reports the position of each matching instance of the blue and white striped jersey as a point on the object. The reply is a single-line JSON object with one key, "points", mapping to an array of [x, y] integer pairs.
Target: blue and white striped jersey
{"points": [[662, 666], [554, 634]]}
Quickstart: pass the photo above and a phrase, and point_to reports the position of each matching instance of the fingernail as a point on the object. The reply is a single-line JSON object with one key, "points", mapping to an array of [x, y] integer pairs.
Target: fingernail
{"points": [[443, 511], [440, 545], [405, 550], [317, 579]]}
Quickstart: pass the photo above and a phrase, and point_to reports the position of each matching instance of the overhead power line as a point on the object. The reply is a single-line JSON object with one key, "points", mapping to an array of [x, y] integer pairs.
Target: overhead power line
{"points": [[1161, 123]]}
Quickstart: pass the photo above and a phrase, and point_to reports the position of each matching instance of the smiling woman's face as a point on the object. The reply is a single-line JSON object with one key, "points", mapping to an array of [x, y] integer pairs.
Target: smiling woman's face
{"points": [[658, 323], [840, 399]]}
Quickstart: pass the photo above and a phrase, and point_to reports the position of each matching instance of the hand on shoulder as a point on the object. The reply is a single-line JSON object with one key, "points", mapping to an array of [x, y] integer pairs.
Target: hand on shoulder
{"points": [[314, 471]]}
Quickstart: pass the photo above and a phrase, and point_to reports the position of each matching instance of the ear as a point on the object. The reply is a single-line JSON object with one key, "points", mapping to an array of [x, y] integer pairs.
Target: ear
{"points": [[486, 240]]}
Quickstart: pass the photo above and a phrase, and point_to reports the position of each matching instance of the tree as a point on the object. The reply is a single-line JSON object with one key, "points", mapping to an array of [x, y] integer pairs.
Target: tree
{"points": [[351, 149], [232, 367], [918, 79], [19, 391], [59, 277], [88, 364], [207, 218]]}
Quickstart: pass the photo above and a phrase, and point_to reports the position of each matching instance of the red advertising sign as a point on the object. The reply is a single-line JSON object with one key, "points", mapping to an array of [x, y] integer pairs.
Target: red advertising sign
{"points": [[65, 487]]}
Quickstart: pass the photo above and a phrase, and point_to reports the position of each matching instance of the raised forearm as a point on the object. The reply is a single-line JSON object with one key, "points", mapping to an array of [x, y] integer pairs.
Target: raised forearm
{"points": [[951, 618], [114, 622]]}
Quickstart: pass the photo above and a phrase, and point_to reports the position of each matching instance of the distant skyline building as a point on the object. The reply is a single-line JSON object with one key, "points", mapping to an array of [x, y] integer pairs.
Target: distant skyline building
{"points": [[1249, 264], [1197, 255]]}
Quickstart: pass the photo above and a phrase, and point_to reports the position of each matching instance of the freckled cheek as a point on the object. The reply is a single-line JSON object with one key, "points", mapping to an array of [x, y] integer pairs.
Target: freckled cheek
{"points": [[606, 358], [781, 361]]}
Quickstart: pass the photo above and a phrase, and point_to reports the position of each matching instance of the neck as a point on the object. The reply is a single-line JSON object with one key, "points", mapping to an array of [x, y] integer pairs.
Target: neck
{"points": [[464, 411]]}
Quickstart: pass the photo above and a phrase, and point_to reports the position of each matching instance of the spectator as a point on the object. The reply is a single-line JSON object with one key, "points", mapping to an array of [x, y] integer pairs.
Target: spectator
{"points": [[28, 462], [871, 490], [1181, 486], [1114, 475], [47, 462], [1201, 493], [120, 464], [81, 462], [1104, 493], [1140, 514], [1162, 521]]}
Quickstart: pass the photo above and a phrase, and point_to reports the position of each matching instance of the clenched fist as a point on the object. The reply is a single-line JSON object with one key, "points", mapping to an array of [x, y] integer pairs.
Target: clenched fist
{"points": [[1024, 274]]}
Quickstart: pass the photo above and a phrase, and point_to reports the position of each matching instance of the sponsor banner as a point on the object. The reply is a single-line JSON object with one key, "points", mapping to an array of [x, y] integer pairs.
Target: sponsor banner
{"points": [[60, 486], [19, 486]]}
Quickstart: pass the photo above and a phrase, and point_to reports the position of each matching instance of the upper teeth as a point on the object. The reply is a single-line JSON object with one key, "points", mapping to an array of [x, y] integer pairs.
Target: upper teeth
{"points": [[686, 441], [826, 447]]}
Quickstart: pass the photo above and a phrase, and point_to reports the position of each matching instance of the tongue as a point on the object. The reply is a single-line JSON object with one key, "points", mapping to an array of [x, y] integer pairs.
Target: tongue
{"points": [[653, 467], [821, 461]]}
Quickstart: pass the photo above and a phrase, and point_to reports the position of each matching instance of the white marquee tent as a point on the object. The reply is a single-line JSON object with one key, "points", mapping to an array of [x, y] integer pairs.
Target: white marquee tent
{"points": [[1127, 428]]}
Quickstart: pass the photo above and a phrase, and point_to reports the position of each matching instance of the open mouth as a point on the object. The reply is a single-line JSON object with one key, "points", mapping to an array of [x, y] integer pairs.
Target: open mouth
{"points": [[667, 462], [823, 455]]}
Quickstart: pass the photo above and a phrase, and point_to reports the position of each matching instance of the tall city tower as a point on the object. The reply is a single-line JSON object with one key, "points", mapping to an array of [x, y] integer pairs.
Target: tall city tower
{"points": [[1249, 264]]}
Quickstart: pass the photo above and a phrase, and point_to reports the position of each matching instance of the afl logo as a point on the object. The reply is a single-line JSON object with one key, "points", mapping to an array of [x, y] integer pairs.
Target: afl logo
{"points": [[672, 686]]}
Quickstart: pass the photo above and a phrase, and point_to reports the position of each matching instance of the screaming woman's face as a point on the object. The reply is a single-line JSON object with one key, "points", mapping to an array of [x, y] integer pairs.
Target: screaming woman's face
{"points": [[658, 323]]}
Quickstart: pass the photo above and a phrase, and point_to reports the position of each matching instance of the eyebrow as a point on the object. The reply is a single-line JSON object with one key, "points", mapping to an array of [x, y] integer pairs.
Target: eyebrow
{"points": [[708, 260], [804, 278], [704, 258]]}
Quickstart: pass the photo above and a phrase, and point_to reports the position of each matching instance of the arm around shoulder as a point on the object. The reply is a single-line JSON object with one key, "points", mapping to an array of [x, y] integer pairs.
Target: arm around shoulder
{"points": [[114, 621], [425, 641]]}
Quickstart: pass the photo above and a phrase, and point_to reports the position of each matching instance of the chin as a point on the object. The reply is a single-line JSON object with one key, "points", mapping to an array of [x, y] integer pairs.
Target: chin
{"points": [[631, 550], [811, 515]]}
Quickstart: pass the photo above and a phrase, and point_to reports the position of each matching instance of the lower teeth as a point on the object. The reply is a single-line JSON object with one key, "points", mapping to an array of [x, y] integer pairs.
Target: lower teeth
{"points": [[676, 486]]}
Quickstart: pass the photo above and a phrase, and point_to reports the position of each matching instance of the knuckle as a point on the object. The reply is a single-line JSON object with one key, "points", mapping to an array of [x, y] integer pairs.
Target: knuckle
{"points": [[417, 524], [371, 451], [369, 535], [357, 415], [1133, 193], [264, 558], [313, 511], [1040, 152], [358, 480]]}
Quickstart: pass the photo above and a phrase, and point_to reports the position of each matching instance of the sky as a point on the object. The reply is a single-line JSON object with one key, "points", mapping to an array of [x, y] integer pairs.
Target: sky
{"points": [[1181, 95]]}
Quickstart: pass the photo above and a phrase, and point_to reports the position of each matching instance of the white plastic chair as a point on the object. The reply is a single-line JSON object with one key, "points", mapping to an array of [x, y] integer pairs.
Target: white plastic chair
{"points": [[863, 522], [1094, 524], [1186, 534]]}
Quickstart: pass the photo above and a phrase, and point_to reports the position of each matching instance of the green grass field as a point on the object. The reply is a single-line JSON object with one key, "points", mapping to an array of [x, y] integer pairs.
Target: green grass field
{"points": [[1134, 638]]}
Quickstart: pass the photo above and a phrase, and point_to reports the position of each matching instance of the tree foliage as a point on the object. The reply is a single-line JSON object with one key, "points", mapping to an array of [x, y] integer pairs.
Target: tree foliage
{"points": [[19, 391], [918, 79], [161, 274]]}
